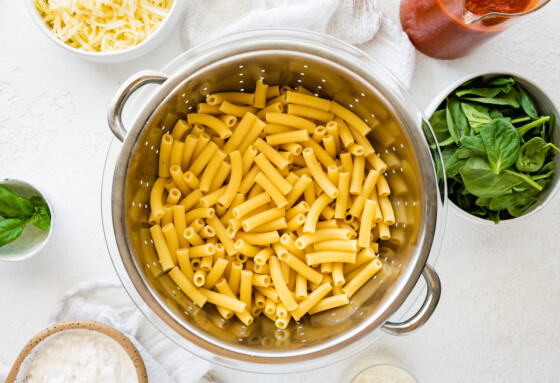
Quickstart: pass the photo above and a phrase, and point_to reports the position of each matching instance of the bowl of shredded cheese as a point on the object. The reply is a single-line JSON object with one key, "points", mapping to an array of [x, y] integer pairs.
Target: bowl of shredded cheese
{"points": [[106, 31]]}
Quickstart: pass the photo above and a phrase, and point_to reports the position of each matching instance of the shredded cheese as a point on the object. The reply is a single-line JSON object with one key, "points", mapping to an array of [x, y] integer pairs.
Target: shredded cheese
{"points": [[103, 25]]}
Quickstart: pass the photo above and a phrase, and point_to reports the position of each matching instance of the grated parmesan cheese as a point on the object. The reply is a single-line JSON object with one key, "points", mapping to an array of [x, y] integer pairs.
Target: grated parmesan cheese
{"points": [[103, 25], [384, 374]]}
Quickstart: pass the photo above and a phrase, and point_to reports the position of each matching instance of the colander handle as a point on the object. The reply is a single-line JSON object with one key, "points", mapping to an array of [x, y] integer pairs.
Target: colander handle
{"points": [[421, 317], [135, 82]]}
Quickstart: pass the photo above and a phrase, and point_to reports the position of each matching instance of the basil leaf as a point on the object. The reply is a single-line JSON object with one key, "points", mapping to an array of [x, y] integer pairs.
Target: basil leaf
{"points": [[481, 181], [12, 206], [527, 103], [37, 201], [40, 204], [477, 115], [11, 229], [42, 219], [502, 144], [475, 144], [532, 155]]}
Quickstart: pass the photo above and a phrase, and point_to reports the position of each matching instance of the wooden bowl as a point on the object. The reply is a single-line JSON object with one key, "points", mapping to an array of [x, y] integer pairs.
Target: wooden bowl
{"points": [[82, 324]]}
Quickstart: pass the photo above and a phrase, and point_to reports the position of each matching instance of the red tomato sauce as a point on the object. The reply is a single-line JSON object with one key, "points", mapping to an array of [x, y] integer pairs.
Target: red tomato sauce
{"points": [[436, 27], [481, 7]]}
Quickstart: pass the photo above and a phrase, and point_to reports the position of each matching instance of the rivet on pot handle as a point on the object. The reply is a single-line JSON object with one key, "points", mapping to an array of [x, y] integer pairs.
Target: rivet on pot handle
{"points": [[421, 317], [135, 82]]}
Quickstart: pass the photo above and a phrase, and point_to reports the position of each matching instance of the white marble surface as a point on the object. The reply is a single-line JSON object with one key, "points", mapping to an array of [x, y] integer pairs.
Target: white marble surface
{"points": [[499, 314]]}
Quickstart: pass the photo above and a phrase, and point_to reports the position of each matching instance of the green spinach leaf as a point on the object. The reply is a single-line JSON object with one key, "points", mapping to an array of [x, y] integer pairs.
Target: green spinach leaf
{"points": [[457, 122], [481, 181], [527, 104], [525, 178], [494, 170], [548, 129], [501, 84], [463, 153], [481, 92], [515, 203], [475, 144], [504, 83], [450, 141], [453, 165], [502, 144], [439, 125], [530, 126], [532, 155], [506, 99], [11, 229], [495, 113], [547, 171], [477, 115], [483, 202]]}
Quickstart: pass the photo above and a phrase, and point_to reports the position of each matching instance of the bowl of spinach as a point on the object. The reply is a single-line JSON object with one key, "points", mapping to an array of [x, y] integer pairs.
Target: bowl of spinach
{"points": [[499, 138], [26, 220]]}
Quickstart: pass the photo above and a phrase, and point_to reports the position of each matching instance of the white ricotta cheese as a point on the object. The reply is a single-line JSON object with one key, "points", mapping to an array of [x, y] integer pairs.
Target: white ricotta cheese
{"points": [[81, 356]]}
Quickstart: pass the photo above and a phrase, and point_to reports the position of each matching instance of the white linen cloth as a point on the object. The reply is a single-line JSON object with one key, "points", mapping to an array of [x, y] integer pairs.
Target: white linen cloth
{"points": [[107, 301], [358, 22]]}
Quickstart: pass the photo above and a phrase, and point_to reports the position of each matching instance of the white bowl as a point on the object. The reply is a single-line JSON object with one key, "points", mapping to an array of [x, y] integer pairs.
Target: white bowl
{"points": [[544, 104], [151, 42], [33, 239]]}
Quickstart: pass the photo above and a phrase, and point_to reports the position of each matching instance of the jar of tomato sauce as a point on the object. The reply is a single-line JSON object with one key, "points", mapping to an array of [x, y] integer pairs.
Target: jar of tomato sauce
{"points": [[448, 29]]}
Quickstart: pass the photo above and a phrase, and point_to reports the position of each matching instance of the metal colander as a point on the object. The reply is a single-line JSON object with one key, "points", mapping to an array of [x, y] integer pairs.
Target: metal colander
{"points": [[330, 69]]}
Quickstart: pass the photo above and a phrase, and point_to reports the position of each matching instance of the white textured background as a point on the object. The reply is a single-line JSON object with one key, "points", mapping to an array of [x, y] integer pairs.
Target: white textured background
{"points": [[499, 315]]}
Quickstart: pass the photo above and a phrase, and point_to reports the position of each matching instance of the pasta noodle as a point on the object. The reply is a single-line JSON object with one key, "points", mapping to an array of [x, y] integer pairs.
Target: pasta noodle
{"points": [[281, 217], [289, 120], [318, 174], [165, 155]]}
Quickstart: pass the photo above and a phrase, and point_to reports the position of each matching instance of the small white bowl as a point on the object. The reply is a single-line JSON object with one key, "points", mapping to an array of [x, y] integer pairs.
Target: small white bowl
{"points": [[33, 239], [140, 49], [544, 104]]}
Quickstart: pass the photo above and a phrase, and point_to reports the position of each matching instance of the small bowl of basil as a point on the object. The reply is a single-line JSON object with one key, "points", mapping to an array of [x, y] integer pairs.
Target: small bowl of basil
{"points": [[26, 220], [499, 138]]}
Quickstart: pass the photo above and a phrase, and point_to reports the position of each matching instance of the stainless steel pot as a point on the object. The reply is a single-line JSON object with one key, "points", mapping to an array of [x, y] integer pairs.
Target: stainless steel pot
{"points": [[332, 69]]}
